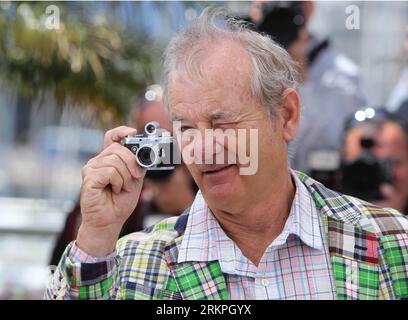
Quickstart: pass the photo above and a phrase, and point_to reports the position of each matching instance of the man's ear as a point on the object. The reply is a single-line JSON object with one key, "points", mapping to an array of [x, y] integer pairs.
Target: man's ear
{"points": [[290, 113]]}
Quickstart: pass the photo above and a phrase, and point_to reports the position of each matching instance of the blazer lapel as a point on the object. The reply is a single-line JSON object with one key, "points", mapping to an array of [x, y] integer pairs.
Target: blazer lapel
{"points": [[355, 262], [195, 280], [353, 250]]}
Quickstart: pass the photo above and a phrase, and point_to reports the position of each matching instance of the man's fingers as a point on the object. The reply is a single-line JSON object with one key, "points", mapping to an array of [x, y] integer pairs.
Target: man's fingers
{"points": [[102, 177], [387, 190], [116, 162], [115, 165], [117, 134], [127, 157]]}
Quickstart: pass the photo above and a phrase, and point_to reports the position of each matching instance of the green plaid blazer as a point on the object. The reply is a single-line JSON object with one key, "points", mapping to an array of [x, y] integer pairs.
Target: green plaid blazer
{"points": [[368, 247]]}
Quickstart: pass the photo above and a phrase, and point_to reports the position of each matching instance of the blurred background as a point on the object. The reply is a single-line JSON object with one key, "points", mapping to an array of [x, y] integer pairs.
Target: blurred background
{"points": [[71, 70]]}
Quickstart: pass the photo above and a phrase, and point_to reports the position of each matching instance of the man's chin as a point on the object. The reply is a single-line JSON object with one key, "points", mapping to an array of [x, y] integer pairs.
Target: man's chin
{"points": [[220, 184]]}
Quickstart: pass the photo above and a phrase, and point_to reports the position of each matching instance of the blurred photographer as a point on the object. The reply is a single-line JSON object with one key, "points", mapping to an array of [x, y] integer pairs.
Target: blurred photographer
{"points": [[376, 161], [330, 85]]}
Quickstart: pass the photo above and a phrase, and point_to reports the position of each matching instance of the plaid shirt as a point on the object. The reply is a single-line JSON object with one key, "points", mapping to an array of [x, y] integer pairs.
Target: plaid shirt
{"points": [[296, 265], [368, 249]]}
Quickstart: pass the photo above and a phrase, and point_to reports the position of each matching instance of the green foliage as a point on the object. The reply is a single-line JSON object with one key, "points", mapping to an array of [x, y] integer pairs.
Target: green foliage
{"points": [[92, 64]]}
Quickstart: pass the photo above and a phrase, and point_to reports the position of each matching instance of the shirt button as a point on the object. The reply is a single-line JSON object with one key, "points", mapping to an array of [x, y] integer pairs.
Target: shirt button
{"points": [[265, 282], [63, 283]]}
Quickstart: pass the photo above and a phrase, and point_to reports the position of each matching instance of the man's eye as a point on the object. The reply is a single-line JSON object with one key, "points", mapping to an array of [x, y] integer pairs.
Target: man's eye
{"points": [[184, 128], [228, 125]]}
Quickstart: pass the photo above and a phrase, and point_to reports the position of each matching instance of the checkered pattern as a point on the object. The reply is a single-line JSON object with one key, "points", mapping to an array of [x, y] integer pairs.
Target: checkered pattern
{"points": [[368, 249], [396, 256], [355, 261], [296, 265]]}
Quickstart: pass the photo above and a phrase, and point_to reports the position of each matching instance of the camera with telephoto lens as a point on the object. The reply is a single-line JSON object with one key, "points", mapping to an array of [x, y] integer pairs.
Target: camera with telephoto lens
{"points": [[155, 149], [363, 177]]}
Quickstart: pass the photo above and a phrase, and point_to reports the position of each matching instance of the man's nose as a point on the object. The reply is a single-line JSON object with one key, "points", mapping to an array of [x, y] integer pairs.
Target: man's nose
{"points": [[206, 148]]}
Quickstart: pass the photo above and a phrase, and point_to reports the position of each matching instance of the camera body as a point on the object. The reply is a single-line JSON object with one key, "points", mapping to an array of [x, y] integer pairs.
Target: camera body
{"points": [[363, 177], [154, 149]]}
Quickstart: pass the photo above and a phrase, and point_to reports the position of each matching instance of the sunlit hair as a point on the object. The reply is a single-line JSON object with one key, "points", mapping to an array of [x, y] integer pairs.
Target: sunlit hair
{"points": [[273, 70]]}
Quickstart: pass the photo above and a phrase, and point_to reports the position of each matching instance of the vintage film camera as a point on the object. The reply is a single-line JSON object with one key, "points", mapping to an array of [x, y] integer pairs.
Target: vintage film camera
{"points": [[155, 149]]}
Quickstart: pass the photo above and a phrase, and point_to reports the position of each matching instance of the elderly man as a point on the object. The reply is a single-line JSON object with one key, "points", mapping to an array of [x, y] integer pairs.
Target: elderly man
{"points": [[275, 234]]}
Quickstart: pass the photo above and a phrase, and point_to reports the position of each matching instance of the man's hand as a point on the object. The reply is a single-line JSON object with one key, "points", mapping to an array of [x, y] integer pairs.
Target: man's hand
{"points": [[111, 187], [393, 198]]}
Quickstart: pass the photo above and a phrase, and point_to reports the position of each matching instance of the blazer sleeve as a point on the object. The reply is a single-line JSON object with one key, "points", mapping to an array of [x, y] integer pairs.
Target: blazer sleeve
{"points": [[80, 276]]}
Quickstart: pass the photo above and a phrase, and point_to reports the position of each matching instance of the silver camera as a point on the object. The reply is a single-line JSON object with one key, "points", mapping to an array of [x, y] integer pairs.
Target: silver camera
{"points": [[155, 149]]}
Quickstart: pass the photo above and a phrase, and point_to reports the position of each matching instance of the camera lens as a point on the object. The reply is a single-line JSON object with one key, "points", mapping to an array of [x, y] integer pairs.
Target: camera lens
{"points": [[151, 127], [146, 157]]}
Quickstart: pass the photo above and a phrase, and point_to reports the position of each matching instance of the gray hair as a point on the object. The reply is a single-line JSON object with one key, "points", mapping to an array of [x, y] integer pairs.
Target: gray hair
{"points": [[273, 69]]}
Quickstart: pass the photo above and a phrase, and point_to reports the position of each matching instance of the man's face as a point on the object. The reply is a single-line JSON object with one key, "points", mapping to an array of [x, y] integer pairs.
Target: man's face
{"points": [[222, 100], [392, 145]]}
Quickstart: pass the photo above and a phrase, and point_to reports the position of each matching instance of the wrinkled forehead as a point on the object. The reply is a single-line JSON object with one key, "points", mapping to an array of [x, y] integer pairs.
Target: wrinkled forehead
{"points": [[221, 78], [198, 99]]}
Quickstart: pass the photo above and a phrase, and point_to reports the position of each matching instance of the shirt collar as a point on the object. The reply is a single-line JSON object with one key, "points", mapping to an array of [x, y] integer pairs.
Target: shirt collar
{"points": [[205, 240]]}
